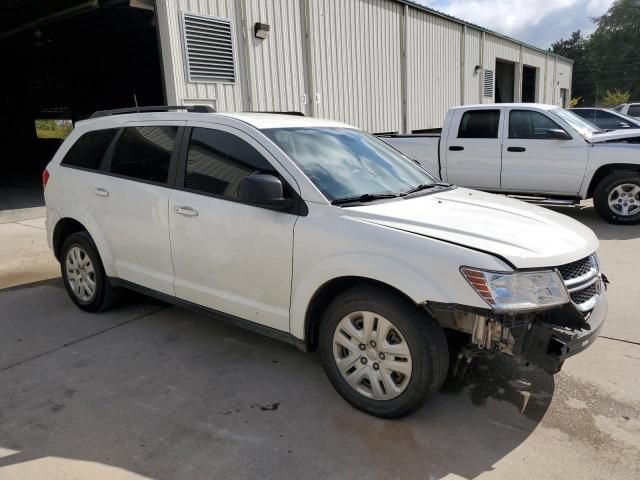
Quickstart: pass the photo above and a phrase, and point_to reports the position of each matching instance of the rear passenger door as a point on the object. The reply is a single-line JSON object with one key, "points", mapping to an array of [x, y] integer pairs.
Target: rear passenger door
{"points": [[473, 149], [230, 256], [130, 202]]}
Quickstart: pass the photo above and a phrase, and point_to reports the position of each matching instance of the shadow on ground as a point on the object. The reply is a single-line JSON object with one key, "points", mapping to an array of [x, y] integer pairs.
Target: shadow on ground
{"points": [[165, 393]]}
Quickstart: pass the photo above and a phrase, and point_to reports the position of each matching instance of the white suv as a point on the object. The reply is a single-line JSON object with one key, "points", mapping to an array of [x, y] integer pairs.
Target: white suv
{"points": [[319, 234]]}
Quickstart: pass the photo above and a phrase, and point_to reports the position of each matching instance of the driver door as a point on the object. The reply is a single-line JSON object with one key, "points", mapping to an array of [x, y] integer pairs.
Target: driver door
{"points": [[229, 256]]}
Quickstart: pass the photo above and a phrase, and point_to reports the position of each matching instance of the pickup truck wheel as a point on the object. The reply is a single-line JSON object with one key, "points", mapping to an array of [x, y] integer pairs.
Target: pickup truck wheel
{"points": [[617, 198], [83, 274], [382, 353]]}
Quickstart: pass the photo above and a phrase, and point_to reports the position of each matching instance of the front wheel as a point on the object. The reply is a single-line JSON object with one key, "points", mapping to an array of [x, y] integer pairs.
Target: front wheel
{"points": [[617, 198], [382, 353]]}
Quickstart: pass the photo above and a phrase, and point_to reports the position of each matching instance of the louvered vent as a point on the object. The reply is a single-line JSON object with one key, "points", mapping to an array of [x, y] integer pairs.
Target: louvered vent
{"points": [[488, 83], [208, 43]]}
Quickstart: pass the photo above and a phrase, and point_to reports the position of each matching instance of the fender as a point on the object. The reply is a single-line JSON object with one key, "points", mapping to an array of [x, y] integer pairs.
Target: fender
{"points": [[81, 213], [413, 281]]}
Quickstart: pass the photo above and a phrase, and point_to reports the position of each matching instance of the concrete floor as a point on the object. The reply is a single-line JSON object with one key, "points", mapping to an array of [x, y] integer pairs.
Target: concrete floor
{"points": [[149, 390]]}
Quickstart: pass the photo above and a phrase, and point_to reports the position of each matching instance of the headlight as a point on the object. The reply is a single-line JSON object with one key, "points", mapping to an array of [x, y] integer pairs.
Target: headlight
{"points": [[518, 290]]}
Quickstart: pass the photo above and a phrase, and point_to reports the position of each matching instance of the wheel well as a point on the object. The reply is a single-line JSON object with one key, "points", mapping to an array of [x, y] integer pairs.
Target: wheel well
{"points": [[64, 228], [325, 294], [605, 170]]}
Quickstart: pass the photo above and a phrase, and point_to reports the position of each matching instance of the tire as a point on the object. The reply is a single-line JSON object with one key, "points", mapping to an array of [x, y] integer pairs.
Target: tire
{"points": [[81, 266], [383, 391], [622, 189]]}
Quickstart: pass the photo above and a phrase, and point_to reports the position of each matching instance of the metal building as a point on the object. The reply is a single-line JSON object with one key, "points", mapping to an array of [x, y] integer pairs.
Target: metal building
{"points": [[382, 65]]}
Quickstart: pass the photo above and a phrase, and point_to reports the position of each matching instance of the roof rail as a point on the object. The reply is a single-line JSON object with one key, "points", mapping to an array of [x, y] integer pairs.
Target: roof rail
{"points": [[159, 108], [297, 114]]}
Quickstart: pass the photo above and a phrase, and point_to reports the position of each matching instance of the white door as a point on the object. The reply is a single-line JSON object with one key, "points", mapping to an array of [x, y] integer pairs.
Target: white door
{"points": [[534, 161], [473, 149], [229, 256], [131, 204]]}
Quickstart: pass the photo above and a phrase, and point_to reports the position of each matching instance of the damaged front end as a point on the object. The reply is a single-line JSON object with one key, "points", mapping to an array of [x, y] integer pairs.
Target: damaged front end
{"points": [[546, 337]]}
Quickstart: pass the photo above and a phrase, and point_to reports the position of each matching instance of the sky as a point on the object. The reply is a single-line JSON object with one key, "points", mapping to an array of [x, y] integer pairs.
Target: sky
{"points": [[538, 22]]}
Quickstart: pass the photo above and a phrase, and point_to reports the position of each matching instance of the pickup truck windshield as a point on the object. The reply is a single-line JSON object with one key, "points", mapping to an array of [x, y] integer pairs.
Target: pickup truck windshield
{"points": [[345, 163], [584, 128]]}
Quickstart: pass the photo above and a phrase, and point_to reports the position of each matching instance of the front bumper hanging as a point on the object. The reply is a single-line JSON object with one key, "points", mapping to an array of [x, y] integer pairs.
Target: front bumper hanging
{"points": [[548, 345]]}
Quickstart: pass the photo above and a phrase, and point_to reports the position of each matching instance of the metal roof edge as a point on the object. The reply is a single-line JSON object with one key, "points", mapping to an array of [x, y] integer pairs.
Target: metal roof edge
{"points": [[451, 18]]}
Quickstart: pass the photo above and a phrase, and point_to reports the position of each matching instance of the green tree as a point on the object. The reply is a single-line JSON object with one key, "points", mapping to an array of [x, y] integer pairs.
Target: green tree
{"points": [[613, 98], [608, 58]]}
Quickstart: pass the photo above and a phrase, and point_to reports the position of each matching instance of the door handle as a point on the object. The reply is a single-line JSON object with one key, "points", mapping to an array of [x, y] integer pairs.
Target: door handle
{"points": [[101, 192], [456, 148], [186, 211], [516, 149]]}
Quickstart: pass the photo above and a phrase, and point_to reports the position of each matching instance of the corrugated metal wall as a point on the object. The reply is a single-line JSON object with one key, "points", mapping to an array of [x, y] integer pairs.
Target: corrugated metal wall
{"points": [[355, 62], [472, 59], [343, 59], [226, 97], [276, 64], [433, 69]]}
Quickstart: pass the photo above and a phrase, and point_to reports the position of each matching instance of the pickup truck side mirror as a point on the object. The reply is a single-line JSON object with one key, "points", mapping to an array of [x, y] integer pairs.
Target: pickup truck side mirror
{"points": [[557, 134], [263, 190]]}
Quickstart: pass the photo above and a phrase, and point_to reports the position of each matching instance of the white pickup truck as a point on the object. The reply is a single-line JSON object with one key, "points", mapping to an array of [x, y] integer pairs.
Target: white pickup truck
{"points": [[538, 151]]}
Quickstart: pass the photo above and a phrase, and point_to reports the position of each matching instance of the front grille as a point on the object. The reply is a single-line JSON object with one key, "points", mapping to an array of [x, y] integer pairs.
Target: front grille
{"points": [[581, 296], [576, 269], [579, 277]]}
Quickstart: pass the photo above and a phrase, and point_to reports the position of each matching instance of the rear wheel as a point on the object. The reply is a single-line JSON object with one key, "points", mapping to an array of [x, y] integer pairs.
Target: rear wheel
{"points": [[382, 353], [617, 198], [83, 274]]}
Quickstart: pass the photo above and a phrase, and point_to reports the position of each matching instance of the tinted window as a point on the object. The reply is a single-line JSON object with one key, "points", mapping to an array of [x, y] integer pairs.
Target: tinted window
{"points": [[144, 153], [527, 124], [479, 124], [89, 149], [218, 161], [607, 121], [634, 111]]}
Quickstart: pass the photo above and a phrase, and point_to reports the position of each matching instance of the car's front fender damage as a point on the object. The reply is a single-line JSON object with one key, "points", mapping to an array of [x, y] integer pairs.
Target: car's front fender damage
{"points": [[544, 338]]}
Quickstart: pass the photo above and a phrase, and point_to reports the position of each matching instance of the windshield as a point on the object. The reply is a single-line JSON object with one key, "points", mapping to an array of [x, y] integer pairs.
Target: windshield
{"points": [[347, 163], [583, 127]]}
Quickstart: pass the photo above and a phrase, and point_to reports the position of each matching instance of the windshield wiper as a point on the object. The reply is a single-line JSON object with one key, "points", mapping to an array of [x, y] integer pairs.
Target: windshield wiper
{"points": [[367, 197], [424, 186]]}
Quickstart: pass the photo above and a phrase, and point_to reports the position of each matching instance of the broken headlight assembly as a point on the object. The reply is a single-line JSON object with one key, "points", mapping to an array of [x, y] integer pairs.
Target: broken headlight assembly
{"points": [[518, 291]]}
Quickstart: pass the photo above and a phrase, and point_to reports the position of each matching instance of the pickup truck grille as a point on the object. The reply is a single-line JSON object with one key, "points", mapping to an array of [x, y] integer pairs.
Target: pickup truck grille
{"points": [[582, 281]]}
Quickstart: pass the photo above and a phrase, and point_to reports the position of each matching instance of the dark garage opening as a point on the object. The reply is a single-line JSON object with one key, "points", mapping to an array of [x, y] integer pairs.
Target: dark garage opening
{"points": [[63, 60], [505, 81], [529, 81]]}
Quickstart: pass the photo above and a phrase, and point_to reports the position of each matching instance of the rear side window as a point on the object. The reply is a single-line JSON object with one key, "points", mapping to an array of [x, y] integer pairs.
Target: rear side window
{"points": [[634, 111], [217, 161], [89, 149], [479, 124], [144, 153], [527, 124]]}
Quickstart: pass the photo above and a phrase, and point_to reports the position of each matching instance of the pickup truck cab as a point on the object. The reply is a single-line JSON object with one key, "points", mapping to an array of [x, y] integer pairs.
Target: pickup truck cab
{"points": [[321, 235], [533, 150]]}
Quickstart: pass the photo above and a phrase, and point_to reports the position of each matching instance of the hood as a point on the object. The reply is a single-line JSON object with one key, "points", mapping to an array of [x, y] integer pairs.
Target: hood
{"points": [[526, 235], [615, 135]]}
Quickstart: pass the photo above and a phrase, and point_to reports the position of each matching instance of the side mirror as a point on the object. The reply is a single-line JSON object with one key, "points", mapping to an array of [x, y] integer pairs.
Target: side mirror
{"points": [[557, 134], [622, 124], [263, 190]]}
